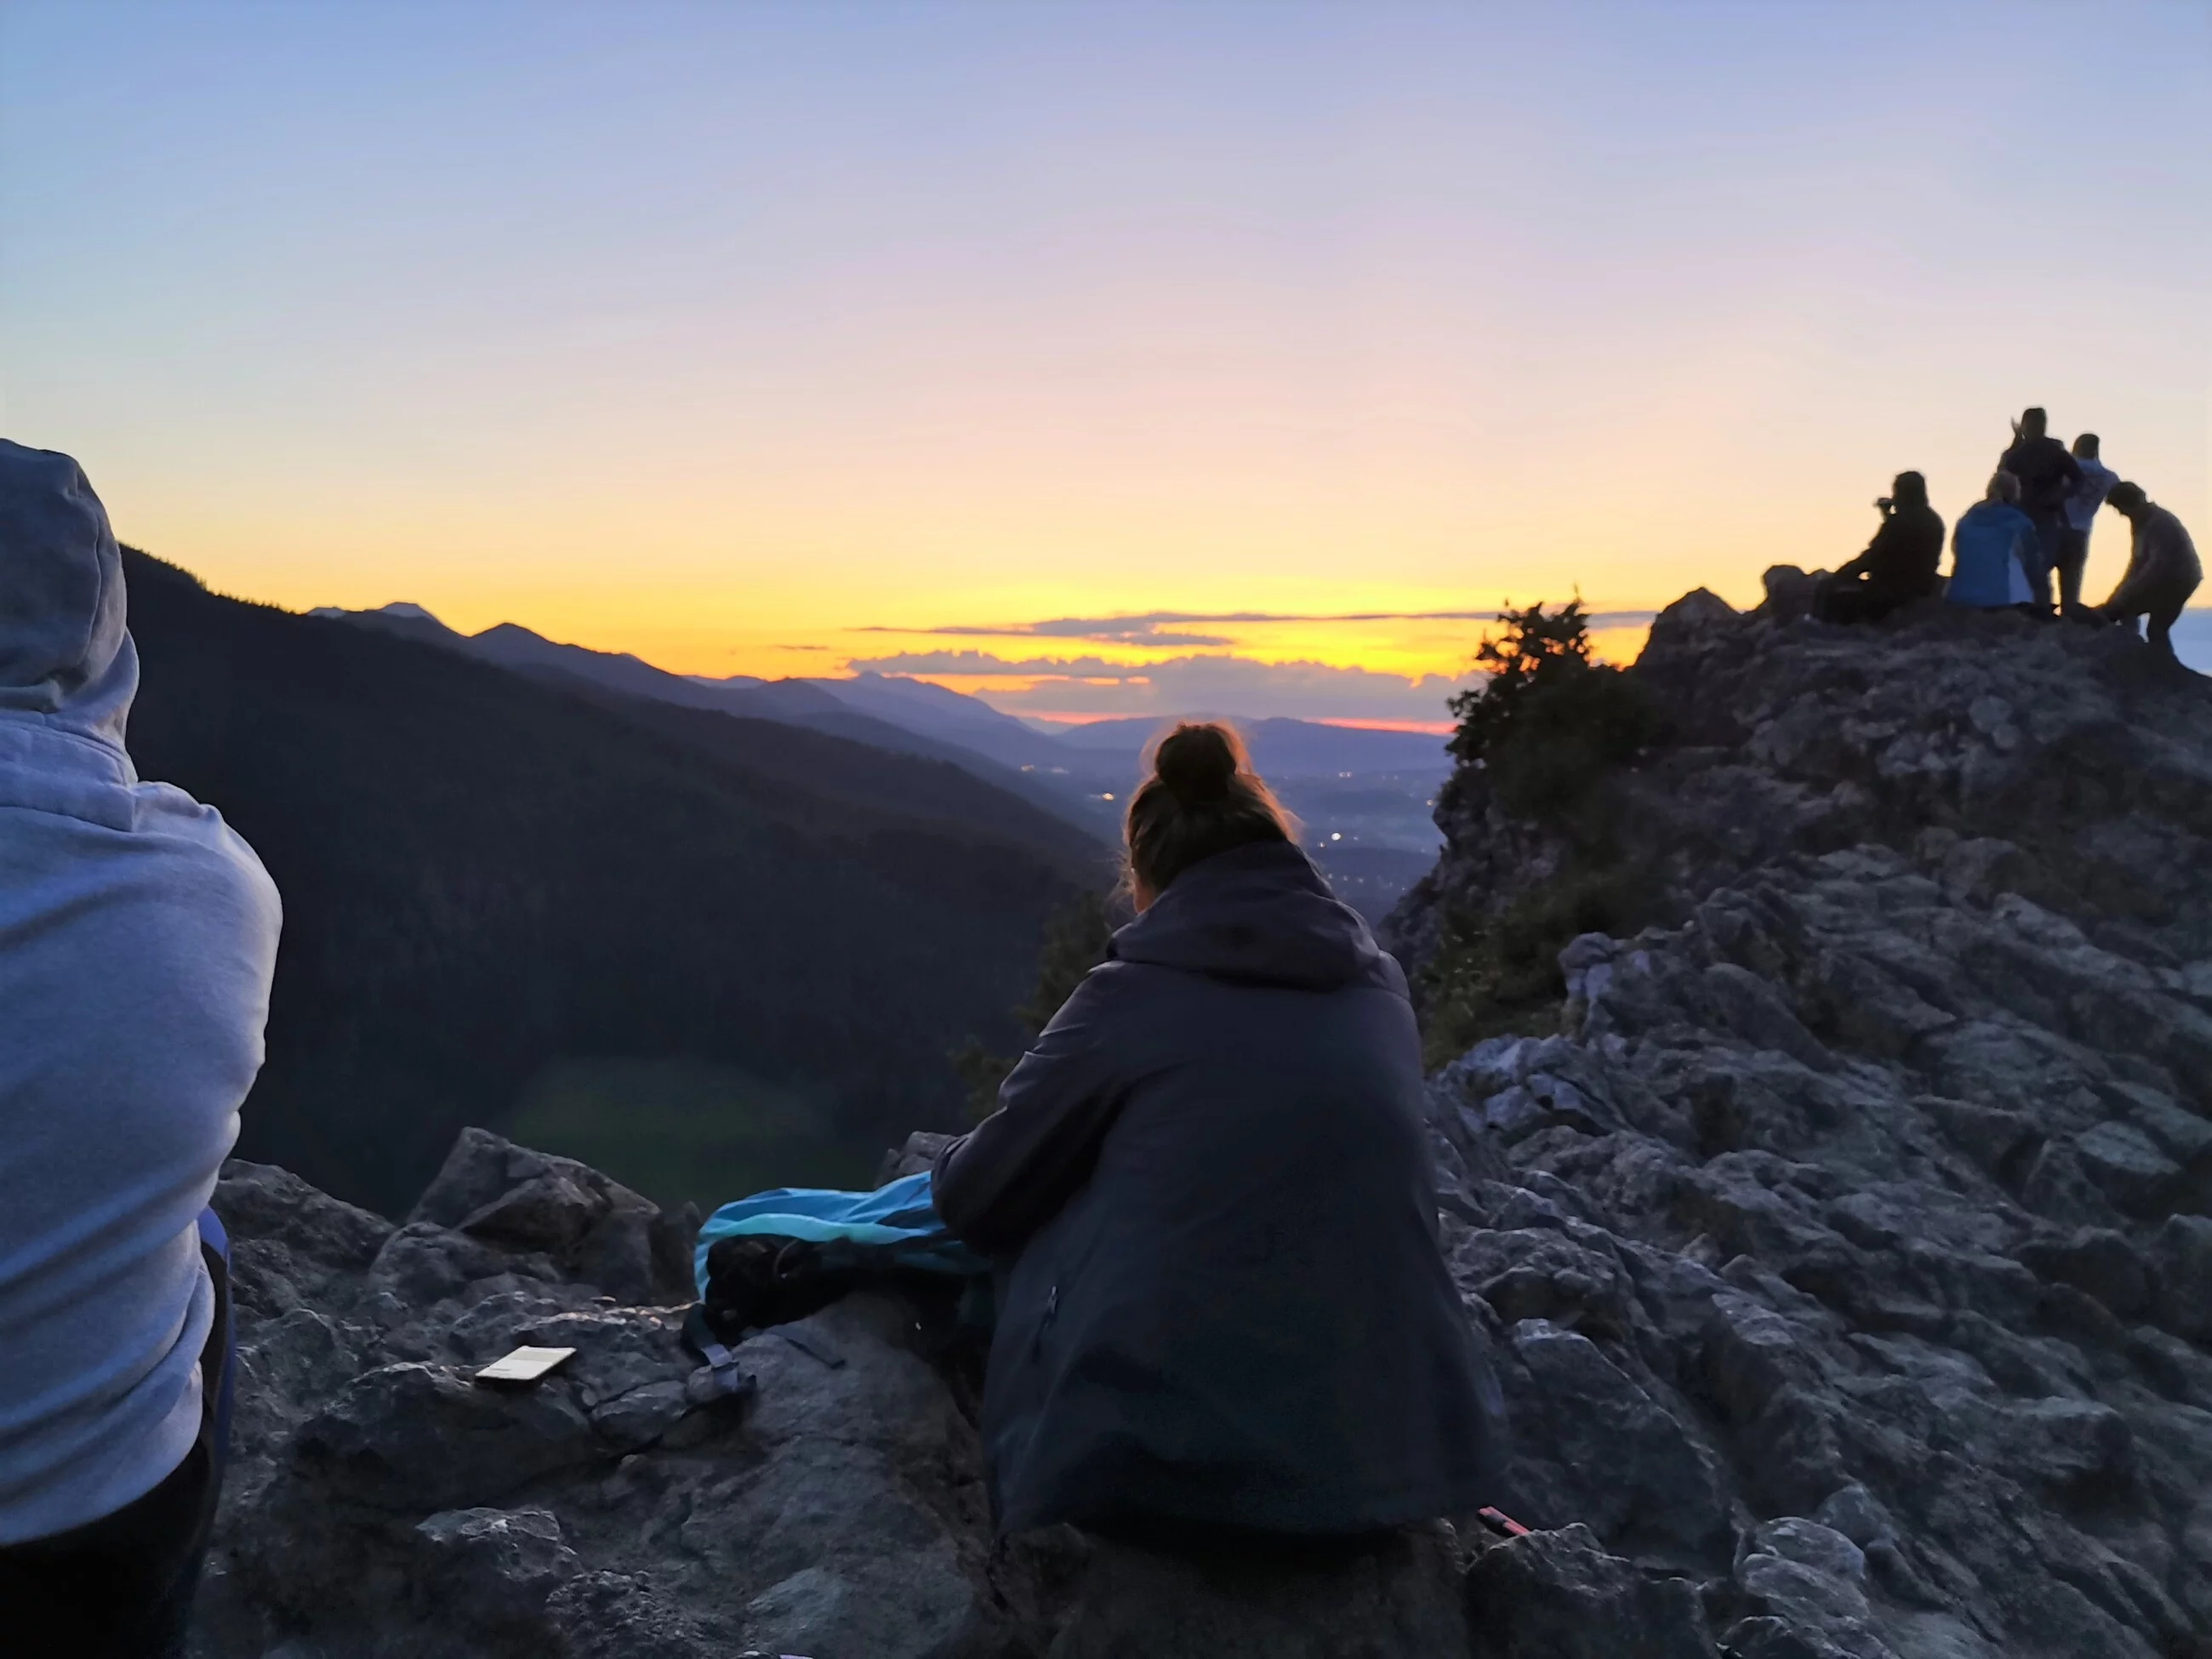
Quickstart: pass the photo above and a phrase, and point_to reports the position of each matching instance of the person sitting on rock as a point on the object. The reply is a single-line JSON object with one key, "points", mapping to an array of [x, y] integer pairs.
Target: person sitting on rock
{"points": [[137, 937], [1225, 1311], [2097, 482], [2163, 570], [1902, 563], [2048, 477], [1991, 547]]}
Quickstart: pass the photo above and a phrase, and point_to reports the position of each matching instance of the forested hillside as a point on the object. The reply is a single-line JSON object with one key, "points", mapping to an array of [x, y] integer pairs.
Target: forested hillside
{"points": [[483, 874]]}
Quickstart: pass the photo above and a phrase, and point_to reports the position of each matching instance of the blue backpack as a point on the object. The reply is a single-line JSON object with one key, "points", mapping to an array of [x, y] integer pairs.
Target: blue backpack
{"points": [[781, 1255]]}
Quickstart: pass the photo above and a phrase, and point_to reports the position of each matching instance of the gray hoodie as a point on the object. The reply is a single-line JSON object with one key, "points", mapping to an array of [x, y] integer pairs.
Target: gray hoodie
{"points": [[138, 937]]}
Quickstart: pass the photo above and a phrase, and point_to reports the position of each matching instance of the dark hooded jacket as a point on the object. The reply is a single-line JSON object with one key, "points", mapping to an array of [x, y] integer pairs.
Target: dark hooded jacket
{"points": [[2046, 473], [1904, 559], [1224, 1302]]}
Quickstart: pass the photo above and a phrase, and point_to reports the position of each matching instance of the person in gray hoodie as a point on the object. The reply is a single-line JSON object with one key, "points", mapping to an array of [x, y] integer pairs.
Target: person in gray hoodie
{"points": [[1225, 1314], [138, 939]]}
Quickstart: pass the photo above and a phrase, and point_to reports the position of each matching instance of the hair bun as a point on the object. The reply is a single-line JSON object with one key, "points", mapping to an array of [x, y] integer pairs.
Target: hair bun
{"points": [[1196, 762]]}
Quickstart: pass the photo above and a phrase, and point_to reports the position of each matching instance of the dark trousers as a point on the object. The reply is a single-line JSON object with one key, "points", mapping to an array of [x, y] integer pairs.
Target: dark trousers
{"points": [[2073, 560], [2050, 529], [1846, 600], [2161, 617], [122, 1587]]}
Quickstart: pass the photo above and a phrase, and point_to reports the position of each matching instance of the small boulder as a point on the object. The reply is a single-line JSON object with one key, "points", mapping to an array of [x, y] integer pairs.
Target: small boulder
{"points": [[1558, 1595], [2097, 1260], [2127, 1166], [2181, 1258], [491, 1572], [412, 1438], [547, 1212]]}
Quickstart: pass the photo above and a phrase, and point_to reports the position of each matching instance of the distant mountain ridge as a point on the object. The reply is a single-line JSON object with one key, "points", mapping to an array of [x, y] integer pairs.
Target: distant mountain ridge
{"points": [[488, 872], [1365, 795], [921, 708], [803, 702]]}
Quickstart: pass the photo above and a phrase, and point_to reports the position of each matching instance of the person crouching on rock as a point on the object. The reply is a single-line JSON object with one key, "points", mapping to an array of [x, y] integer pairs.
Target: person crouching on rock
{"points": [[1224, 1313], [2163, 570], [1991, 548], [1900, 564], [138, 937]]}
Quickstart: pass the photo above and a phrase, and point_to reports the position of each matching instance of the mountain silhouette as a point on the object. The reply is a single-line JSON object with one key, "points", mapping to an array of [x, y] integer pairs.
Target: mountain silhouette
{"points": [[486, 872], [899, 715]]}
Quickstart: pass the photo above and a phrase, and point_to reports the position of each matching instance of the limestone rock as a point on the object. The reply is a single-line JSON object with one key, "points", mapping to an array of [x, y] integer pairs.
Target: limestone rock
{"points": [[1900, 1221], [1558, 1596], [1843, 1239]]}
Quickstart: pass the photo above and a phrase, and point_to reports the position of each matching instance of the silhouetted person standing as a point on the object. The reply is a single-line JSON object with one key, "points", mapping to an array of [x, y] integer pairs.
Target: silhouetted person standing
{"points": [[2097, 482], [2047, 477], [1899, 565], [2163, 570]]}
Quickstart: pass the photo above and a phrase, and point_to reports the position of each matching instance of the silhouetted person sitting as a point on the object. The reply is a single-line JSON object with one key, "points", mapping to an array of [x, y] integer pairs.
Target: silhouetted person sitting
{"points": [[2163, 570], [138, 935], [2097, 481], [1900, 564], [1990, 546], [1225, 1316], [2048, 476]]}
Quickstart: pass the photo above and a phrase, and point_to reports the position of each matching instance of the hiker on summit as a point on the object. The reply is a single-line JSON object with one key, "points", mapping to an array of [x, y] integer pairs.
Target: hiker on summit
{"points": [[1900, 564], [1224, 1312], [1991, 546], [138, 937], [2097, 482], [2048, 477], [2163, 570]]}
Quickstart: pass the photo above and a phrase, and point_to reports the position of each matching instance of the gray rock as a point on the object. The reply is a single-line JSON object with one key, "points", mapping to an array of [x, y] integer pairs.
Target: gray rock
{"points": [[408, 1438], [1858, 1514], [1911, 1226], [1753, 1009], [1558, 1596], [2127, 1166], [2099, 1261], [1607, 1454], [1847, 1244], [2181, 1263], [491, 1572], [546, 1212]]}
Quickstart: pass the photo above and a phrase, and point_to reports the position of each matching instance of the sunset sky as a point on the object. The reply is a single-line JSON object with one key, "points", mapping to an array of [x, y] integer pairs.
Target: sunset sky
{"points": [[1105, 357]]}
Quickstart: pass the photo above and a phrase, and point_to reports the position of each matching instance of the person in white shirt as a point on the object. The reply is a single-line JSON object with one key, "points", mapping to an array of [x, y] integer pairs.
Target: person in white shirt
{"points": [[2097, 481]]}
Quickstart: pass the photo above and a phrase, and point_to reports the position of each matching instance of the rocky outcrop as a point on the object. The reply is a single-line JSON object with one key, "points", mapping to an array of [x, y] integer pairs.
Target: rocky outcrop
{"points": [[1849, 1239], [380, 1503], [1846, 1242]]}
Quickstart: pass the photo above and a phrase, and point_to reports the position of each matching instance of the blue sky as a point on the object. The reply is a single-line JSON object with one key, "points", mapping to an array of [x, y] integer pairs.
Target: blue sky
{"points": [[716, 332]]}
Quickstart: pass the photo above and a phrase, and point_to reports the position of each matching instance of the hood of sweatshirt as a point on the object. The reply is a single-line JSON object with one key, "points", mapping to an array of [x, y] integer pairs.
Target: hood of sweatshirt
{"points": [[66, 659], [1260, 915]]}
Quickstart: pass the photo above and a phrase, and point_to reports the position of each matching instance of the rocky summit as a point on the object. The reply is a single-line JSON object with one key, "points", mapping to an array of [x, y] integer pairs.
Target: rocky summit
{"points": [[1844, 1236]]}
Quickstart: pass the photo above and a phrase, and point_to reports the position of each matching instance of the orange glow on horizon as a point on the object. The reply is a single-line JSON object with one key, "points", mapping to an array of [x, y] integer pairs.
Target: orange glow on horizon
{"points": [[1432, 728]]}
